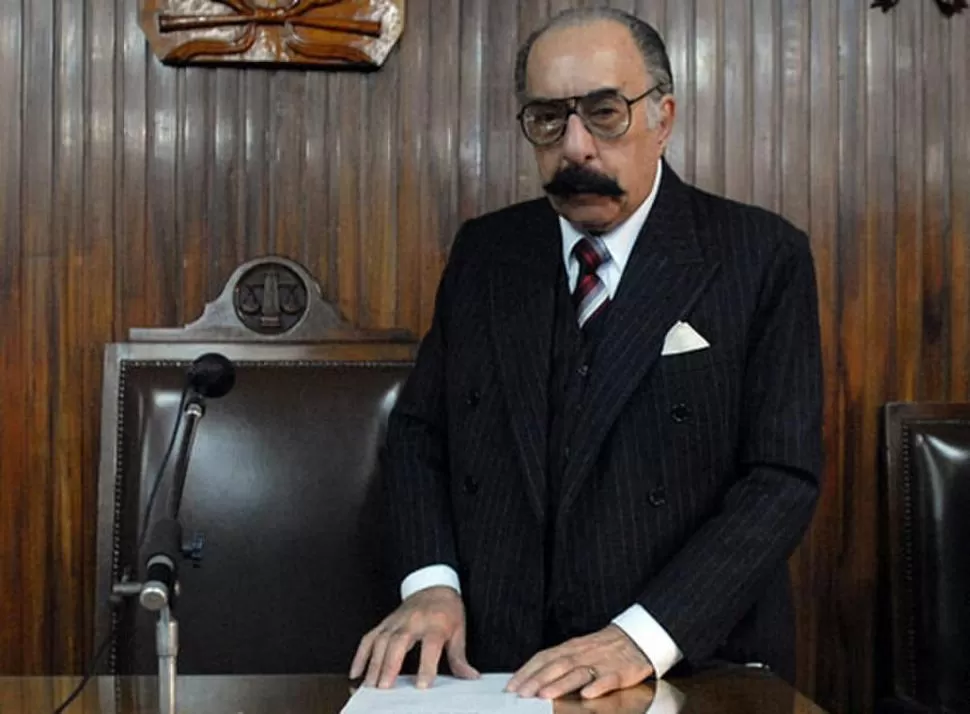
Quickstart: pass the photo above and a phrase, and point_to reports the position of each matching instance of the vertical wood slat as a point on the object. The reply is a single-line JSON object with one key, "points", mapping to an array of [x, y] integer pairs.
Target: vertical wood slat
{"points": [[13, 432], [69, 125], [96, 297], [136, 188], [38, 309]]}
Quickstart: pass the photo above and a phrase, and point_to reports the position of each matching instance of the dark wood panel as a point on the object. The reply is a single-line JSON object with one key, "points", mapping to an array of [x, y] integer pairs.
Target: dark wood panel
{"points": [[132, 190]]}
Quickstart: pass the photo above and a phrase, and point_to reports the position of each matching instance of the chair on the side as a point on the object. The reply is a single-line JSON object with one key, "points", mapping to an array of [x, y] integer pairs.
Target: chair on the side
{"points": [[281, 490], [926, 556]]}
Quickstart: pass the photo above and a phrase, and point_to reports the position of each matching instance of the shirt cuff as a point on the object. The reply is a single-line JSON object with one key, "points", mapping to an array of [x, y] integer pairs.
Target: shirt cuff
{"points": [[430, 577], [650, 637]]}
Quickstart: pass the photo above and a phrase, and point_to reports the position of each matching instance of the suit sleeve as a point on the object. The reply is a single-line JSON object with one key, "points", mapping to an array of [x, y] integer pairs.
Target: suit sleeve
{"points": [[714, 580], [415, 459]]}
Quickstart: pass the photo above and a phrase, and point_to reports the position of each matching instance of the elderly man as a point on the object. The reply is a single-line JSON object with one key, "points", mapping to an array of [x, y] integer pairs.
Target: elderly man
{"points": [[610, 443]]}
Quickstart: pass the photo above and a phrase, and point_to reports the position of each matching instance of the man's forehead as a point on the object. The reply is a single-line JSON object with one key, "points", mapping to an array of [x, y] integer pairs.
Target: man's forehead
{"points": [[577, 60]]}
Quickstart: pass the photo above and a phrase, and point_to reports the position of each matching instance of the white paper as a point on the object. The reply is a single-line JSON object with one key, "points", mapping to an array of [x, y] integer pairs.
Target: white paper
{"points": [[447, 695]]}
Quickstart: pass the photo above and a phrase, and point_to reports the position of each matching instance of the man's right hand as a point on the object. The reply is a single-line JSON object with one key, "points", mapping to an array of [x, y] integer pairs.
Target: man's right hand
{"points": [[435, 618]]}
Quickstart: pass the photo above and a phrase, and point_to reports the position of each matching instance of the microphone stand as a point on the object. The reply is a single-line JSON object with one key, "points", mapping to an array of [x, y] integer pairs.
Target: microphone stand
{"points": [[160, 590]]}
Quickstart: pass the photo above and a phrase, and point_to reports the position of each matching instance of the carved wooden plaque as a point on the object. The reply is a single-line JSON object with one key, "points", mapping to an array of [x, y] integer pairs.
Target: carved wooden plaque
{"points": [[352, 33]]}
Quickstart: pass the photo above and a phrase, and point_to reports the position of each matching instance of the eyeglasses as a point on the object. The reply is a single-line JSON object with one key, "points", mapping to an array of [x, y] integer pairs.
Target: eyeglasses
{"points": [[605, 114]]}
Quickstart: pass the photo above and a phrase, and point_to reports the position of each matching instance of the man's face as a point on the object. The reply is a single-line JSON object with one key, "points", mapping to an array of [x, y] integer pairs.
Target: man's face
{"points": [[575, 61]]}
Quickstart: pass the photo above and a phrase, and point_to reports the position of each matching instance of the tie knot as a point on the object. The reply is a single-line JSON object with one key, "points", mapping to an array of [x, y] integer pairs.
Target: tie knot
{"points": [[591, 252]]}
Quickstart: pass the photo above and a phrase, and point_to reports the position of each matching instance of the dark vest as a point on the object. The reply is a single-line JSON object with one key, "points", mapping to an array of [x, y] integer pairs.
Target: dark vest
{"points": [[571, 364]]}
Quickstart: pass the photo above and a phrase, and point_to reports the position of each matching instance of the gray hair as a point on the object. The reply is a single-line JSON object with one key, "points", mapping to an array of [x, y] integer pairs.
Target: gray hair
{"points": [[648, 41]]}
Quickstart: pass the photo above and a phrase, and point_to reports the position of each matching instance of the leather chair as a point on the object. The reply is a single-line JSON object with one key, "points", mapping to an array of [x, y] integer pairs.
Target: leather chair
{"points": [[926, 554], [281, 488]]}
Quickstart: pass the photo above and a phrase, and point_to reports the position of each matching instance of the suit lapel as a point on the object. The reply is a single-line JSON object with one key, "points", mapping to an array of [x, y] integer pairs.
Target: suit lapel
{"points": [[523, 293], [666, 273]]}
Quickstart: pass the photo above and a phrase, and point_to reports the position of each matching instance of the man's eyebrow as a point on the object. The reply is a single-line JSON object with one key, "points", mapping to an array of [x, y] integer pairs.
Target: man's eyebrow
{"points": [[598, 90]]}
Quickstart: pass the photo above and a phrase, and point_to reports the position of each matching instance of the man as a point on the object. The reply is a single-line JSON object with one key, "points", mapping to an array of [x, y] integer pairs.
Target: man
{"points": [[610, 443]]}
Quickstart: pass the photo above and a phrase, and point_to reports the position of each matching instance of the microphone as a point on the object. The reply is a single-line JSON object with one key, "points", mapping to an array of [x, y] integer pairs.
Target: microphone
{"points": [[210, 376]]}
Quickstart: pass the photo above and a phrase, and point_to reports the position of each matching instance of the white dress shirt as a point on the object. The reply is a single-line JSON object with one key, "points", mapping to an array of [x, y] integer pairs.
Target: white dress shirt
{"points": [[635, 621]]}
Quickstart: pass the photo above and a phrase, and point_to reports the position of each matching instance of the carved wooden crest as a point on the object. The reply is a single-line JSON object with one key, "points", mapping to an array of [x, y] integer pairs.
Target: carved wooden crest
{"points": [[302, 32]]}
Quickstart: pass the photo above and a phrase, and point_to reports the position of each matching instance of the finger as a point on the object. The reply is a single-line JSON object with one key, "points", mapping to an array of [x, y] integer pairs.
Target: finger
{"points": [[363, 653], [604, 684], [377, 659], [458, 660], [559, 667], [431, 648], [397, 650], [525, 672], [571, 681]]}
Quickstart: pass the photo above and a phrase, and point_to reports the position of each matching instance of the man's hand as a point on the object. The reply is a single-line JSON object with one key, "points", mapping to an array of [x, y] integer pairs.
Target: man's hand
{"points": [[595, 664], [434, 617]]}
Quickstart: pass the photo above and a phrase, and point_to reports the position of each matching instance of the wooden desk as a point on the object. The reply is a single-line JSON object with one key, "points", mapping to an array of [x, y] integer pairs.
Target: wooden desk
{"points": [[734, 692]]}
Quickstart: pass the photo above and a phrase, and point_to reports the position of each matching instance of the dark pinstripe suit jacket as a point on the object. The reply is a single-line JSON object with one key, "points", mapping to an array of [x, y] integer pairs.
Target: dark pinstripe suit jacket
{"points": [[691, 477]]}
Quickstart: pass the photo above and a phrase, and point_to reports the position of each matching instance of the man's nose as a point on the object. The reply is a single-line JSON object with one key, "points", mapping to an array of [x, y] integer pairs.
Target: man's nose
{"points": [[578, 144]]}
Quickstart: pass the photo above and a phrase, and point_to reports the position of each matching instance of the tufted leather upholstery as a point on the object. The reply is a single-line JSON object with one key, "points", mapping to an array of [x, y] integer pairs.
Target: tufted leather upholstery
{"points": [[281, 483], [927, 555]]}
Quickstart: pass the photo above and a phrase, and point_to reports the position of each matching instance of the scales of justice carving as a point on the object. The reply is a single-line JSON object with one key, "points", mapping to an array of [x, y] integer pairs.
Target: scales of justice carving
{"points": [[334, 33]]}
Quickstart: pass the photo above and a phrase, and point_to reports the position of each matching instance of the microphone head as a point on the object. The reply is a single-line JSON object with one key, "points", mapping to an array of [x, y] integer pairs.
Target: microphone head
{"points": [[212, 375]]}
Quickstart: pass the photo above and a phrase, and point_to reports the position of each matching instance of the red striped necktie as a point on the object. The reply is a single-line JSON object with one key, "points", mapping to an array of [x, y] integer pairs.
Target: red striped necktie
{"points": [[590, 297]]}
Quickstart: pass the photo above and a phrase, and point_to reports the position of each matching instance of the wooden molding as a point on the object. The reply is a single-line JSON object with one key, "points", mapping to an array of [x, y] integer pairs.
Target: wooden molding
{"points": [[322, 33], [270, 300]]}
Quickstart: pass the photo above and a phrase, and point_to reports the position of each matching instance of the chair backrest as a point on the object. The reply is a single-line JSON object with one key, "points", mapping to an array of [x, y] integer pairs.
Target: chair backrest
{"points": [[927, 553], [281, 484]]}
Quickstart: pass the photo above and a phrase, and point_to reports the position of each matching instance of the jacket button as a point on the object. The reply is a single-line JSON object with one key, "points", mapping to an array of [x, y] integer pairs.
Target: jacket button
{"points": [[583, 370], [471, 486], [658, 497], [473, 398], [681, 413]]}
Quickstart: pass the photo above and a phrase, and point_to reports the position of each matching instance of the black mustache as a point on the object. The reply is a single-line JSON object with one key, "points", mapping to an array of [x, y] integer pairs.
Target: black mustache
{"points": [[574, 180]]}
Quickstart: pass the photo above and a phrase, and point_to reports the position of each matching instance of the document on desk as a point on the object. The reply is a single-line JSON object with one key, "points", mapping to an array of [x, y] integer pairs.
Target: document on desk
{"points": [[447, 695]]}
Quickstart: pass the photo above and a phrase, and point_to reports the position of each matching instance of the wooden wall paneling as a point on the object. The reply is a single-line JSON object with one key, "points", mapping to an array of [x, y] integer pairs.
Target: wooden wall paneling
{"points": [[679, 39], [414, 165], [474, 18], [132, 236], [96, 298], [381, 282], [13, 431], [736, 117], [318, 227], [767, 78], [908, 138], [879, 239], [162, 270], [818, 552], [256, 112], [707, 104], [654, 12], [286, 165], [500, 107], [38, 312], [195, 166], [347, 91], [68, 333], [441, 217], [935, 208], [833, 679], [958, 153], [226, 178], [527, 182]]}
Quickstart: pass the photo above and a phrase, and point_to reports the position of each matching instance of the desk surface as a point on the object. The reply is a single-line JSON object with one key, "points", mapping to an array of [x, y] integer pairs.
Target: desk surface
{"points": [[733, 692]]}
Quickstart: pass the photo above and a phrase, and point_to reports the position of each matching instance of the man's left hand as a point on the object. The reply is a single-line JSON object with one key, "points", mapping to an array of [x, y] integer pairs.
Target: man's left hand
{"points": [[595, 665]]}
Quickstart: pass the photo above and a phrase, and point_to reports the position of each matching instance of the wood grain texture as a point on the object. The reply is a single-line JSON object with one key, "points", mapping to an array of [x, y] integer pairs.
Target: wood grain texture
{"points": [[131, 190]]}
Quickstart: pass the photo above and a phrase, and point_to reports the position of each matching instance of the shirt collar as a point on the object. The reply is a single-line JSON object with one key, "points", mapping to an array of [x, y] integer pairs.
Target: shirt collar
{"points": [[620, 240]]}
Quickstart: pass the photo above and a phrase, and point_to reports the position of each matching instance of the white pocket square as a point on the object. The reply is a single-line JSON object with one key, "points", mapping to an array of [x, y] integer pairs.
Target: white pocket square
{"points": [[683, 338]]}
